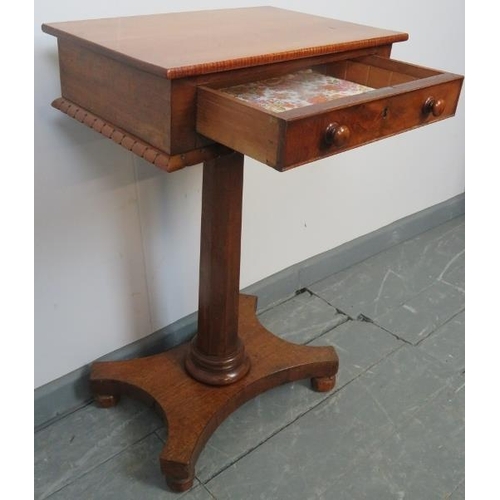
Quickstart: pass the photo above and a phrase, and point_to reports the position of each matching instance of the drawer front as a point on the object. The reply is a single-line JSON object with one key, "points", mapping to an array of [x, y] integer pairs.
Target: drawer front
{"points": [[394, 97], [331, 132]]}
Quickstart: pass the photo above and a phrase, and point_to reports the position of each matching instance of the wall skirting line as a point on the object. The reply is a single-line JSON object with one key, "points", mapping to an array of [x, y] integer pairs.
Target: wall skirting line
{"points": [[70, 392]]}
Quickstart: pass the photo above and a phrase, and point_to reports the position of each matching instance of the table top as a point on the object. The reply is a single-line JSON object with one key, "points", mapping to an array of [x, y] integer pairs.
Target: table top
{"points": [[178, 45]]}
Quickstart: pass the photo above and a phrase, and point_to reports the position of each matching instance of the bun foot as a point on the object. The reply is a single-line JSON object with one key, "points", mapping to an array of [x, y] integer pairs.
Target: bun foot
{"points": [[323, 384], [106, 401], [180, 486]]}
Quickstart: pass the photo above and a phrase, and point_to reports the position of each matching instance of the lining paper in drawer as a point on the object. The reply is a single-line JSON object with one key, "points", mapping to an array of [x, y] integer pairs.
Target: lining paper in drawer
{"points": [[295, 90]]}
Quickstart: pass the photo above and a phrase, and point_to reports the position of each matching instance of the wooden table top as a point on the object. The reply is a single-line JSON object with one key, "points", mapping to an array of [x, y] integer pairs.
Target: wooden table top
{"points": [[177, 45]]}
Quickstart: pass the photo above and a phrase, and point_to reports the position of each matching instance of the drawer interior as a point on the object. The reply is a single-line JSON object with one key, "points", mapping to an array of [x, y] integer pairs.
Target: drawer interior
{"points": [[325, 83], [295, 90], [378, 72], [293, 117]]}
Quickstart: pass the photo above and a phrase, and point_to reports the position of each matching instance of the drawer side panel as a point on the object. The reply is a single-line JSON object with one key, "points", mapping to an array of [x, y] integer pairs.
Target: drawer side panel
{"points": [[131, 99], [238, 126]]}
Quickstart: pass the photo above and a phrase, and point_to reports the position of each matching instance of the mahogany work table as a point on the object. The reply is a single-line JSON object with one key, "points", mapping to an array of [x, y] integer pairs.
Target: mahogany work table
{"points": [[282, 87]]}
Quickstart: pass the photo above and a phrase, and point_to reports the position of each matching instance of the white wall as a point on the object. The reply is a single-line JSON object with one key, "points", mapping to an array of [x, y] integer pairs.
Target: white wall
{"points": [[117, 241]]}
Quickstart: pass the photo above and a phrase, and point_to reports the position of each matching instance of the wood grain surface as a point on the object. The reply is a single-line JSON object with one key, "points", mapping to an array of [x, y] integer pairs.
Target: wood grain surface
{"points": [[177, 45], [217, 354], [192, 411]]}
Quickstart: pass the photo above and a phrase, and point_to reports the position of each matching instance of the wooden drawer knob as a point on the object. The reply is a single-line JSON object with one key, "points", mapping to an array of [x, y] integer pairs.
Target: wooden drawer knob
{"points": [[336, 134], [434, 106]]}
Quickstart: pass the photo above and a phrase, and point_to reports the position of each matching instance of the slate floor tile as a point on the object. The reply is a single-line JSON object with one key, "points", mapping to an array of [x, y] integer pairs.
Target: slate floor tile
{"points": [[444, 417], [448, 343], [133, 474], [367, 288], [394, 276], [308, 457], [423, 459], [455, 274], [402, 382], [459, 493], [301, 461], [407, 466], [360, 346], [302, 318], [393, 428], [81, 441], [421, 315]]}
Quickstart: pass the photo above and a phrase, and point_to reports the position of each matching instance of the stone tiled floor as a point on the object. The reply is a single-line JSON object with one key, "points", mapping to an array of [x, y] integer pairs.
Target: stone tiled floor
{"points": [[393, 428]]}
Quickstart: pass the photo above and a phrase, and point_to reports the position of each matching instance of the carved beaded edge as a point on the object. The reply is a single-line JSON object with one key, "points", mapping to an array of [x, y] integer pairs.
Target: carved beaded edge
{"points": [[158, 158]]}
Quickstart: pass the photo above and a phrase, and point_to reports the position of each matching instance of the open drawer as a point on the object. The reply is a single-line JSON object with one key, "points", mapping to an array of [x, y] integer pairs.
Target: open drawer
{"points": [[302, 116]]}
